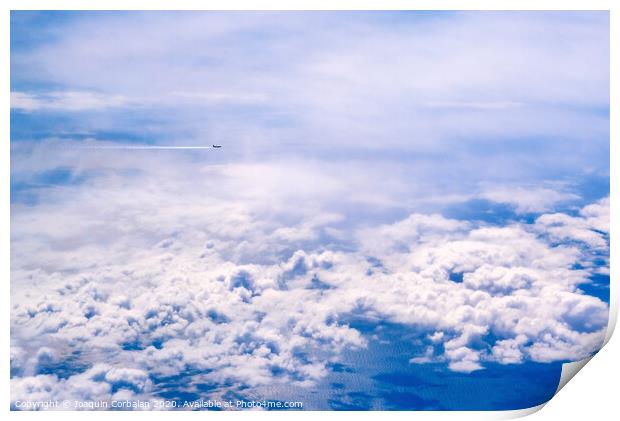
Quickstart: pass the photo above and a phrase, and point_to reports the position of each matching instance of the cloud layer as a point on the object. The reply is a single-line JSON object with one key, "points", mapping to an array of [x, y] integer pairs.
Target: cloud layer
{"points": [[174, 283], [438, 83], [444, 172]]}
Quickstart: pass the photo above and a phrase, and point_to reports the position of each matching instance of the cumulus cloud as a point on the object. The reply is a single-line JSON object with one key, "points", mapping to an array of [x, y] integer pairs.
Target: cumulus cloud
{"points": [[590, 227], [177, 292], [100, 383], [226, 271]]}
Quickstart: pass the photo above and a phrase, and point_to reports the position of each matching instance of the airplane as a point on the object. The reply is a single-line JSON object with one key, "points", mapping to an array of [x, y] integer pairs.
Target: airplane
{"points": [[216, 146]]}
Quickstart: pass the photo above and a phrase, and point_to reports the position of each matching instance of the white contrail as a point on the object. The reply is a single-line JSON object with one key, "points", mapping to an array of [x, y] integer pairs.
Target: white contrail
{"points": [[144, 147]]}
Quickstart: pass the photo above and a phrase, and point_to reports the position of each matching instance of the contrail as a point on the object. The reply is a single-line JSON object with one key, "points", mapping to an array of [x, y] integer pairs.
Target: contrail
{"points": [[144, 147]]}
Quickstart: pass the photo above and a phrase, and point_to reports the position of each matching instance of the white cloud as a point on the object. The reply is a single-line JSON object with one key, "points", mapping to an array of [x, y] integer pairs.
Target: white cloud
{"points": [[240, 269], [67, 101], [73, 101], [463, 359], [93, 385], [184, 288], [508, 351], [490, 105], [591, 227], [528, 200], [338, 90]]}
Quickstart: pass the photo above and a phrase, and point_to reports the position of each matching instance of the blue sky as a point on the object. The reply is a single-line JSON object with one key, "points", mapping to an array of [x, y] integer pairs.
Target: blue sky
{"points": [[443, 173]]}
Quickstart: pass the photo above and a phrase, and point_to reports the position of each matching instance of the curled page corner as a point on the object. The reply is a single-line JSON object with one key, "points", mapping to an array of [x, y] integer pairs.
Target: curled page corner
{"points": [[519, 413], [569, 370], [613, 311], [280, 235]]}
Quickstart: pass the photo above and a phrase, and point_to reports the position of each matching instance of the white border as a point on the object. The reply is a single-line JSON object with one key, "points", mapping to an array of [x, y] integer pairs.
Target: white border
{"points": [[568, 371]]}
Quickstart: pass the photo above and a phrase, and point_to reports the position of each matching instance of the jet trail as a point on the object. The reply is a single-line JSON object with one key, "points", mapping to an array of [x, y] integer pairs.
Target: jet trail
{"points": [[142, 147]]}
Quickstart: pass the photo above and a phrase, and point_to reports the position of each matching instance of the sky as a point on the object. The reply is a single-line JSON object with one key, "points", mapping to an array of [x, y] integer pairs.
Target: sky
{"points": [[404, 202]]}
